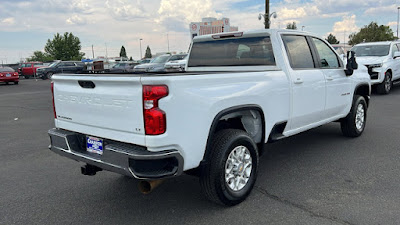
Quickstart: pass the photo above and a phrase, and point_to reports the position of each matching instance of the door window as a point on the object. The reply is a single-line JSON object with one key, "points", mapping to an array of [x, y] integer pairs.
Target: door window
{"points": [[394, 49], [299, 52], [327, 56]]}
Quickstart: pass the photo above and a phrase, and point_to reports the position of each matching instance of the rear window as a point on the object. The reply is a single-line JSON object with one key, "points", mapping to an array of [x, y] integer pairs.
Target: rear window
{"points": [[6, 69], [255, 51]]}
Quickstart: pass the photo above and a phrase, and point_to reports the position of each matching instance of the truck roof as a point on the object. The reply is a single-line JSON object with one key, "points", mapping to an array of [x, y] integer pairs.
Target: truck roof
{"points": [[377, 43], [249, 33]]}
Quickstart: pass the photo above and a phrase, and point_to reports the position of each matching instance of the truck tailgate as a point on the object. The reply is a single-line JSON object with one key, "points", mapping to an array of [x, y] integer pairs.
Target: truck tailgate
{"points": [[103, 106]]}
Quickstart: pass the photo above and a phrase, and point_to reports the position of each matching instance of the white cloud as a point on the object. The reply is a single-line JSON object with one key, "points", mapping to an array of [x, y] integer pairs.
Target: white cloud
{"points": [[342, 29], [185, 10], [76, 20], [8, 21], [125, 10], [382, 10]]}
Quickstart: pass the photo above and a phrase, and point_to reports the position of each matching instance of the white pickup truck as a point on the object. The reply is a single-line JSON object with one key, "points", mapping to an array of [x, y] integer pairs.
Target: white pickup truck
{"points": [[240, 91]]}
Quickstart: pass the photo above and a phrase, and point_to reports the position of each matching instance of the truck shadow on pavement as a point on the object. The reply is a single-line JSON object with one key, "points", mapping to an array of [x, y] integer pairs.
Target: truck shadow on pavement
{"points": [[292, 162]]}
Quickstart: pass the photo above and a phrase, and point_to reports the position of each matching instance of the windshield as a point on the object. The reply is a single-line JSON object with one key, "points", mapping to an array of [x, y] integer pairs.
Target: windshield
{"points": [[161, 59], [177, 57], [53, 64], [119, 65], [371, 50], [6, 69]]}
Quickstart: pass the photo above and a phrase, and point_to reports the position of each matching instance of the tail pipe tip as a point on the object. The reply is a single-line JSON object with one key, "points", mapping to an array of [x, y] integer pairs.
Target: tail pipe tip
{"points": [[147, 186]]}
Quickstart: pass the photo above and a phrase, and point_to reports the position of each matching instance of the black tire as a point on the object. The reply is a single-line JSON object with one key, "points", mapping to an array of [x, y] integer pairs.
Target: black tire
{"points": [[49, 75], [212, 176], [27, 77], [385, 87], [349, 125], [15, 82]]}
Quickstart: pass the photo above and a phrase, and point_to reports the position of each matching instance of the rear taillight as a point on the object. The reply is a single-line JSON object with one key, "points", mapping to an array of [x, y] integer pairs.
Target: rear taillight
{"points": [[154, 118], [52, 95]]}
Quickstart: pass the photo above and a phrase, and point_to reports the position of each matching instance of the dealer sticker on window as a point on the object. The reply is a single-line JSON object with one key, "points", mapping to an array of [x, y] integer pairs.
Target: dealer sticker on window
{"points": [[94, 145]]}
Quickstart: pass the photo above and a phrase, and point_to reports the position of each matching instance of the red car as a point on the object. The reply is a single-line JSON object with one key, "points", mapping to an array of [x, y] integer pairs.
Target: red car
{"points": [[28, 69], [7, 74]]}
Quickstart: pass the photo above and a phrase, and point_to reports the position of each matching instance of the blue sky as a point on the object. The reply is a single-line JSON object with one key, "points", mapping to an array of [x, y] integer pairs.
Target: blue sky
{"points": [[25, 26]]}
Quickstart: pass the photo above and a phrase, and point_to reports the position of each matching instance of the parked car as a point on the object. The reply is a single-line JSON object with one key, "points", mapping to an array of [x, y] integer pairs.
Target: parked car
{"points": [[143, 61], [177, 65], [8, 74], [123, 67], [155, 65], [60, 67], [383, 62], [158, 63], [241, 91], [29, 69]]}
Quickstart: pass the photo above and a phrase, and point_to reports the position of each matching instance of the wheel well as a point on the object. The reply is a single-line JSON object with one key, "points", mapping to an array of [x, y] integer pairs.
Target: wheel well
{"points": [[246, 118], [363, 90], [389, 70]]}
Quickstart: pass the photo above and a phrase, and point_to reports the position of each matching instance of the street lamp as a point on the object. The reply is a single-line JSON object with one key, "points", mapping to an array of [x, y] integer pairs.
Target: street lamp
{"points": [[274, 15], [398, 22], [140, 42]]}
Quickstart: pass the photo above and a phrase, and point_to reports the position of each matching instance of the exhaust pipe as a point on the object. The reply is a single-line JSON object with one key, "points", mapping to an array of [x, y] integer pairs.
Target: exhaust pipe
{"points": [[147, 186]]}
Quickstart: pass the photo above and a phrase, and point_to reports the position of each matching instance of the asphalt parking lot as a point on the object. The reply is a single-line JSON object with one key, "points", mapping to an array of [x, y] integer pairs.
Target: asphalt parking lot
{"points": [[318, 177]]}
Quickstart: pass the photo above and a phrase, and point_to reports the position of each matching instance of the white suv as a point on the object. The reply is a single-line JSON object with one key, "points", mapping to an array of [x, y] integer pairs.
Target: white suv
{"points": [[383, 62]]}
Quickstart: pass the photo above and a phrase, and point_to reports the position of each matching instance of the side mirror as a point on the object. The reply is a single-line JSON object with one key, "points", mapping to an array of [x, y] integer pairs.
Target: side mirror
{"points": [[351, 63], [396, 55]]}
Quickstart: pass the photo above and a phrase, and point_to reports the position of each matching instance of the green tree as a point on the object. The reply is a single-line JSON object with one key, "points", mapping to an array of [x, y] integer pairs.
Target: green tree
{"points": [[332, 39], [64, 47], [291, 26], [372, 32], [122, 53], [131, 59], [148, 53], [40, 56]]}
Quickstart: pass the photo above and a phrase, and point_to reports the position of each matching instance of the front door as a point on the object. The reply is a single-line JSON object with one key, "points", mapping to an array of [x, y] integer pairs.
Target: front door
{"points": [[338, 85]]}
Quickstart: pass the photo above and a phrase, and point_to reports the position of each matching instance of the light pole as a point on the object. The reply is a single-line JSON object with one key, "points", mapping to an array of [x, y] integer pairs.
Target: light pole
{"points": [[140, 42], [398, 22], [168, 42], [302, 28], [273, 14]]}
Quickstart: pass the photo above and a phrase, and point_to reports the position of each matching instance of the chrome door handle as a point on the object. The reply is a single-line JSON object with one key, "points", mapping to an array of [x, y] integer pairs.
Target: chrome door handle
{"points": [[298, 81]]}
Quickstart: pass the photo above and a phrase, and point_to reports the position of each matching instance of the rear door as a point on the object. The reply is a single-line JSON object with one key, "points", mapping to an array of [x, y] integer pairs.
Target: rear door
{"points": [[102, 106], [308, 82], [338, 85]]}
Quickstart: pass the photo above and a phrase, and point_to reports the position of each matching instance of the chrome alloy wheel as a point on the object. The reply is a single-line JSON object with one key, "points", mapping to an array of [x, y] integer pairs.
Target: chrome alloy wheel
{"points": [[388, 83], [238, 168], [360, 117]]}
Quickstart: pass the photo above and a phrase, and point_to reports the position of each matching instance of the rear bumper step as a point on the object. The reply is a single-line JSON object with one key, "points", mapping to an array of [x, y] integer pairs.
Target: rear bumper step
{"points": [[127, 159]]}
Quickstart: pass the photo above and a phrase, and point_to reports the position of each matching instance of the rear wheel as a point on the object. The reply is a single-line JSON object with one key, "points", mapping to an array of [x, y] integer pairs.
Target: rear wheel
{"points": [[354, 123], [231, 169], [385, 87], [27, 77]]}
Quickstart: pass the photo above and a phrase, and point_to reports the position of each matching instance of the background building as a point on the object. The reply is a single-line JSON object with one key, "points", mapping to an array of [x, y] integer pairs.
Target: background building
{"points": [[211, 25]]}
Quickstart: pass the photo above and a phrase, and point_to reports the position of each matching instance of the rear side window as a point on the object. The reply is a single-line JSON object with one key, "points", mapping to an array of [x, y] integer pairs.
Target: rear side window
{"points": [[299, 52], [255, 51]]}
